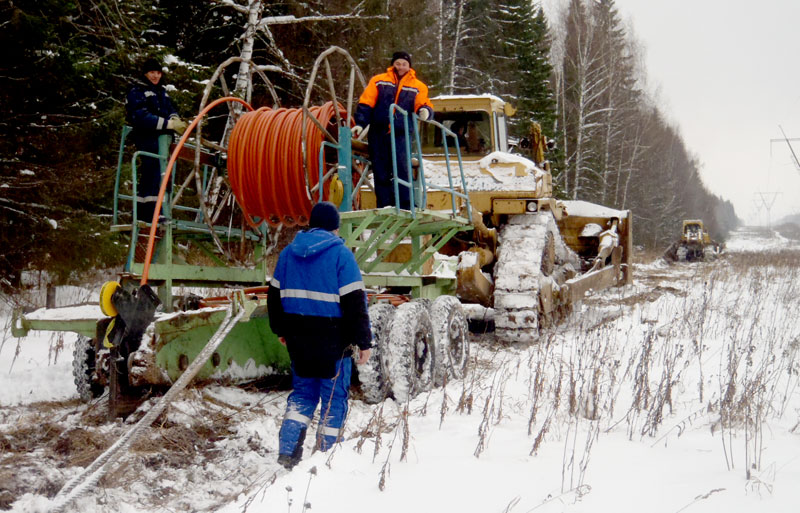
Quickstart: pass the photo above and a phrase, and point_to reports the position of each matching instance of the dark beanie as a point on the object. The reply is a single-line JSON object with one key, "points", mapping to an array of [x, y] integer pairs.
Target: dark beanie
{"points": [[151, 65], [401, 55], [324, 215]]}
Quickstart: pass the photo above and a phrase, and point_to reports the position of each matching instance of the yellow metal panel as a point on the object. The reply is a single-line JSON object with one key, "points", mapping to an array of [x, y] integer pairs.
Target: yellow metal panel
{"points": [[508, 206]]}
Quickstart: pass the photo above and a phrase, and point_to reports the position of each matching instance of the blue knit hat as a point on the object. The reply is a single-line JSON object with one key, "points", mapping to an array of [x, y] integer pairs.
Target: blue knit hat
{"points": [[324, 215]]}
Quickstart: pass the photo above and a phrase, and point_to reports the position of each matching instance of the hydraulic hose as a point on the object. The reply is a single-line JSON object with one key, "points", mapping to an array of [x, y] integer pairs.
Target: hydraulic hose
{"points": [[165, 180]]}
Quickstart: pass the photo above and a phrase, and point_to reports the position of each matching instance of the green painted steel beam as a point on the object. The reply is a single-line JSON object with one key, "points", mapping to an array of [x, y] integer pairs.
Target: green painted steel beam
{"points": [[85, 327], [182, 273], [381, 232], [429, 249]]}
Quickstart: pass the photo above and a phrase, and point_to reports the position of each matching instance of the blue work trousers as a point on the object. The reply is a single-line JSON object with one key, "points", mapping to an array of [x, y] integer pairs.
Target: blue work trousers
{"points": [[307, 393]]}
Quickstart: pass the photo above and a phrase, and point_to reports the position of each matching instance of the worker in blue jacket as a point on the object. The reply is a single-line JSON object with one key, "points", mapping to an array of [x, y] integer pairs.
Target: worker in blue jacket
{"points": [[151, 113], [318, 308], [399, 85]]}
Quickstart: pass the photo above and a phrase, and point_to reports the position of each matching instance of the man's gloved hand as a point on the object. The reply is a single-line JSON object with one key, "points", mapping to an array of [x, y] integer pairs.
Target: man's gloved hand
{"points": [[177, 124], [424, 114], [356, 130]]}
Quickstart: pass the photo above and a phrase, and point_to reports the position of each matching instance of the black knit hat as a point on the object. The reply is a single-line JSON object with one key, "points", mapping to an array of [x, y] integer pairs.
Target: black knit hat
{"points": [[324, 215], [151, 65], [401, 55]]}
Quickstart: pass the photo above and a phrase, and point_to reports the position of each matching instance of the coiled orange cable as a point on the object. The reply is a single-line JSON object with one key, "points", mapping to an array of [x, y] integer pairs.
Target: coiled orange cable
{"points": [[265, 163]]}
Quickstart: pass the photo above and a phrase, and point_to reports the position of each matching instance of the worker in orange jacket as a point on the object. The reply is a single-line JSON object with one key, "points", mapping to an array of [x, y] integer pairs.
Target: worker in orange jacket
{"points": [[398, 85]]}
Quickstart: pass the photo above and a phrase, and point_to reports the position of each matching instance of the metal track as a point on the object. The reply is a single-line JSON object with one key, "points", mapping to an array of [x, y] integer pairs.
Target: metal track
{"points": [[526, 281]]}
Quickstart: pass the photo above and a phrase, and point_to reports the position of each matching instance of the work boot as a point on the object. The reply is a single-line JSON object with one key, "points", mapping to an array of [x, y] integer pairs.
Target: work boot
{"points": [[288, 461]]}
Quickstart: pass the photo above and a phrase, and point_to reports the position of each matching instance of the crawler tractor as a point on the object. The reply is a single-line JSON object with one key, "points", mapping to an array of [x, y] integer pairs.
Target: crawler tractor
{"points": [[528, 255], [695, 244], [483, 227]]}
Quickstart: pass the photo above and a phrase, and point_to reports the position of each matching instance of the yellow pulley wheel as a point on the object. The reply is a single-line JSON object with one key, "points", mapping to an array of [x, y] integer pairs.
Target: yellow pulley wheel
{"points": [[106, 292], [335, 190]]}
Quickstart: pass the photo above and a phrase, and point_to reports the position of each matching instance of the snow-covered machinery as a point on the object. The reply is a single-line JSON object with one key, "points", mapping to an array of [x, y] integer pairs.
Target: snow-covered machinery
{"points": [[528, 255], [695, 244], [267, 170], [258, 181]]}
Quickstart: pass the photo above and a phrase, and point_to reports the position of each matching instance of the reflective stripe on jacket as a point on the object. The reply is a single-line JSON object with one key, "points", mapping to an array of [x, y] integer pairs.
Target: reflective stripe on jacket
{"points": [[383, 90], [148, 107], [317, 302]]}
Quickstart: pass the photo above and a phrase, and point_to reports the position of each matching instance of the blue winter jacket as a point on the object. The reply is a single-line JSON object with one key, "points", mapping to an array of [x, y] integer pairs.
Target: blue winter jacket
{"points": [[148, 108], [316, 301]]}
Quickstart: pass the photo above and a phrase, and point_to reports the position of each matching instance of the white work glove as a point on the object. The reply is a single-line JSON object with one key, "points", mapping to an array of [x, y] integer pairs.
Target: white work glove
{"points": [[356, 130], [424, 114], [177, 124]]}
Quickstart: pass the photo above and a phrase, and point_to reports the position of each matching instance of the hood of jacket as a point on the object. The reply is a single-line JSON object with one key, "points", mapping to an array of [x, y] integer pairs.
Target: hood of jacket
{"points": [[313, 242]]}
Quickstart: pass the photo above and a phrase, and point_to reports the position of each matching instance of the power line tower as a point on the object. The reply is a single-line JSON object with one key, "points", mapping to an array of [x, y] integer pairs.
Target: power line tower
{"points": [[766, 200]]}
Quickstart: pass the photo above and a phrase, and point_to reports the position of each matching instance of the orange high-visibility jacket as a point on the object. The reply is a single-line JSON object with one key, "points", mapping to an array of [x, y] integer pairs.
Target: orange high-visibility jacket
{"points": [[385, 89]]}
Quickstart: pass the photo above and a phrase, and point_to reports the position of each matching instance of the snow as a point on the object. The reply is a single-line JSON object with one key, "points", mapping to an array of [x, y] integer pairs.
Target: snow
{"points": [[645, 420], [67, 313], [485, 174], [467, 97], [26, 172], [585, 209]]}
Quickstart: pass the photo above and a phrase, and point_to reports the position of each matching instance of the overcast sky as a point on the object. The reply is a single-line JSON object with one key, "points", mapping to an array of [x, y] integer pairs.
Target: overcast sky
{"points": [[727, 73]]}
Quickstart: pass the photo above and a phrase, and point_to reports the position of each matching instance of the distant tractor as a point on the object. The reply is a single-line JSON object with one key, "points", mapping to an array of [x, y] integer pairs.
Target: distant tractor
{"points": [[695, 244]]}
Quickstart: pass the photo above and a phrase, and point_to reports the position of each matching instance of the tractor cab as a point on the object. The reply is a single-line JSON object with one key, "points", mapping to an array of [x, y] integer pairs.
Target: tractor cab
{"points": [[478, 122]]}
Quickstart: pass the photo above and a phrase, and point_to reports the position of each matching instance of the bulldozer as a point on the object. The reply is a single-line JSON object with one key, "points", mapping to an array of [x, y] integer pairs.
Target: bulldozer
{"points": [[695, 244], [528, 256], [474, 203]]}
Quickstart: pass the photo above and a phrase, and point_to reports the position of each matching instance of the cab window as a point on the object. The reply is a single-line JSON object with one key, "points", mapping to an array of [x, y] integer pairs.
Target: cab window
{"points": [[473, 131]]}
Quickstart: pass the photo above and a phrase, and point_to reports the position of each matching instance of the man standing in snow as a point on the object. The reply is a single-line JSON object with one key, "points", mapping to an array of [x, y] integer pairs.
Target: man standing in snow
{"points": [[318, 308], [398, 85], [151, 113]]}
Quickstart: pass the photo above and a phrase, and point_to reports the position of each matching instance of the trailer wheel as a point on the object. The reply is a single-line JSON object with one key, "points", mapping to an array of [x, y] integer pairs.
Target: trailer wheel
{"points": [[83, 365], [451, 337], [411, 358], [371, 375]]}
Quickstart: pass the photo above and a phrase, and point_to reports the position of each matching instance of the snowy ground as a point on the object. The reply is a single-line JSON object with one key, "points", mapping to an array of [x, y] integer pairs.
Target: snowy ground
{"points": [[677, 393]]}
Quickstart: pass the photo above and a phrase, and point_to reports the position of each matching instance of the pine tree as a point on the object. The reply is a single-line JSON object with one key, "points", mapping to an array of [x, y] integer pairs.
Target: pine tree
{"points": [[63, 74]]}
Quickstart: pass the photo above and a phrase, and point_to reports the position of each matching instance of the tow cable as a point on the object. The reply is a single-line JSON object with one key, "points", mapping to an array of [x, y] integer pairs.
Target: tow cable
{"points": [[89, 477]]}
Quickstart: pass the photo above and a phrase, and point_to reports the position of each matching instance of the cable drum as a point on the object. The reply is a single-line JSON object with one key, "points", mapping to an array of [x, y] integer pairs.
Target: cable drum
{"points": [[265, 163]]}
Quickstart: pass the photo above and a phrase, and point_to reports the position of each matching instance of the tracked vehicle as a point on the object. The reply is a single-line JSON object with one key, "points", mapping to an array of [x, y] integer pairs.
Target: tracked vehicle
{"points": [[695, 244], [529, 256]]}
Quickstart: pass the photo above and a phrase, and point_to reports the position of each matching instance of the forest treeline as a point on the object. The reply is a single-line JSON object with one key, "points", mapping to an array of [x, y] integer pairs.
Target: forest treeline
{"points": [[67, 66]]}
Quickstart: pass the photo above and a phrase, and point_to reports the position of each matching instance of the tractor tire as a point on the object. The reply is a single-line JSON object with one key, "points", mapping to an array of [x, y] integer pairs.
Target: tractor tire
{"points": [[451, 338], [83, 366], [371, 375], [411, 356]]}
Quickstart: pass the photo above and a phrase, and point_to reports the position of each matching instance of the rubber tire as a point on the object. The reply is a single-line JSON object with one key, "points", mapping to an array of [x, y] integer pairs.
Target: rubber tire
{"points": [[451, 338], [411, 356], [83, 365], [372, 377]]}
